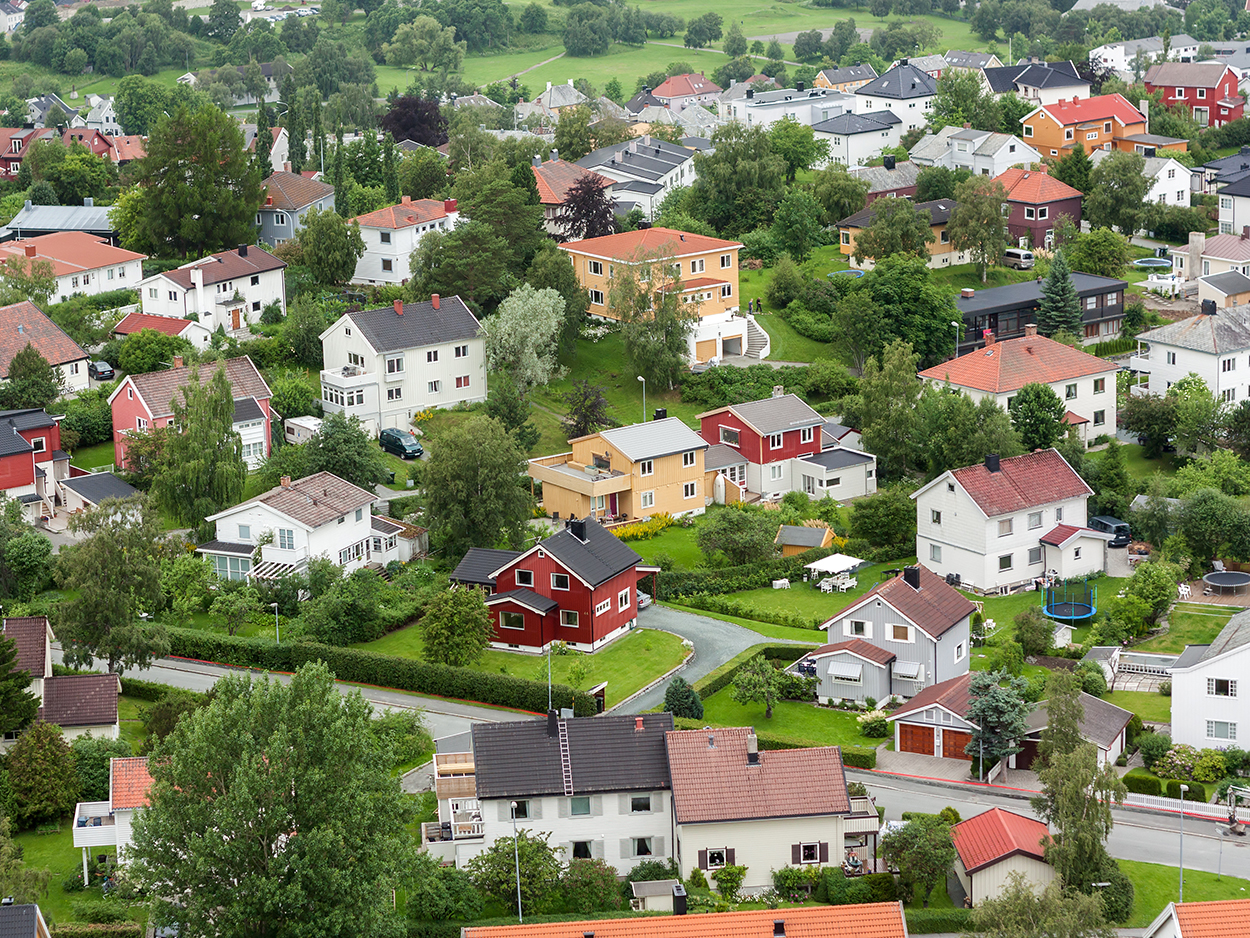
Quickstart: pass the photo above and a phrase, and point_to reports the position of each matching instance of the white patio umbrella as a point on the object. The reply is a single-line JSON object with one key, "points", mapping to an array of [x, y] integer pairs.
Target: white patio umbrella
{"points": [[834, 563]]}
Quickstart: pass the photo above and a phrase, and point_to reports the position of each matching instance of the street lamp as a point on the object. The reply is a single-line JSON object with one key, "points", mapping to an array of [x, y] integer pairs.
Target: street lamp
{"points": [[959, 327], [516, 855], [276, 630], [1184, 789], [644, 398]]}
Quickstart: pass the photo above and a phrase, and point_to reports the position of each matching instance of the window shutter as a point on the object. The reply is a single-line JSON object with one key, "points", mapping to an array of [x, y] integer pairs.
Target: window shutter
{"points": [[796, 853], [505, 811], [729, 856], [596, 805], [824, 853], [596, 849], [703, 859], [536, 809], [627, 848], [562, 807], [657, 847]]}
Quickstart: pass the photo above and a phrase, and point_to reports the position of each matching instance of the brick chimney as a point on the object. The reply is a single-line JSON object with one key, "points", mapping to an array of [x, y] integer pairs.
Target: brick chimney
{"points": [[967, 293], [449, 205], [1043, 169], [399, 307], [637, 724], [286, 482], [177, 361], [434, 300], [988, 335], [1030, 330], [31, 250]]}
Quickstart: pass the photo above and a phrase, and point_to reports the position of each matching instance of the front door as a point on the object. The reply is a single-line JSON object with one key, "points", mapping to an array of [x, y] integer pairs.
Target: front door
{"points": [[234, 318]]}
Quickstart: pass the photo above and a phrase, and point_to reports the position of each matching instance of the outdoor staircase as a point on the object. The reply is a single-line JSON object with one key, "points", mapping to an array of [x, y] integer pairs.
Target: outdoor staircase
{"points": [[566, 764], [758, 342], [379, 569]]}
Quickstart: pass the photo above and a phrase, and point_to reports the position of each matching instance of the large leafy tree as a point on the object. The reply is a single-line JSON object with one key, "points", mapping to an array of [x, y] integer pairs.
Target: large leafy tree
{"points": [[963, 98], [1020, 911], [1101, 252], [1117, 192], [494, 871], [42, 778], [923, 851], [742, 536], [939, 182], [522, 338], [201, 470], [976, 224], [474, 496], [288, 781], [441, 893], [1074, 168], [93, 758], [839, 193], [427, 45], [999, 714], [32, 382], [331, 246], [796, 144], [796, 225], [896, 228], [888, 393], [588, 211], [470, 262], [740, 181], [201, 188], [456, 627], [18, 705], [1037, 414], [551, 268], [115, 574], [586, 409], [1060, 308], [656, 323], [341, 446], [955, 432], [490, 198], [758, 681]]}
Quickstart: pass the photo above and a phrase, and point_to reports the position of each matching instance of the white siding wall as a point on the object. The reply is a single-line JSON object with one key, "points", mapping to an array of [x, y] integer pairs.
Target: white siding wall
{"points": [[325, 541], [403, 242], [1165, 371], [1087, 402], [761, 846], [913, 112], [75, 375], [858, 149], [1193, 707], [270, 286], [988, 883], [122, 276]]}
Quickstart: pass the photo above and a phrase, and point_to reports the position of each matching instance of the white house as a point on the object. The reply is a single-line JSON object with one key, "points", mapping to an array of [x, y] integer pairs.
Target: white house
{"points": [[13, 16], [390, 235], [988, 524], [994, 844], [854, 139], [194, 332], [103, 118], [598, 787], [1197, 919], [383, 365], [1085, 383], [980, 152], [25, 323], [1205, 256], [1169, 178], [647, 159], [1036, 82], [905, 89], [99, 824], [279, 145], [1120, 55], [807, 107], [81, 262], [227, 290], [317, 516], [1209, 690], [1211, 345], [1235, 206]]}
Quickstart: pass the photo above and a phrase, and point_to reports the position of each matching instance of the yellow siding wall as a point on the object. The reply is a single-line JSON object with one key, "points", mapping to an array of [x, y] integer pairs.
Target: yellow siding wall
{"points": [[667, 481], [989, 882], [761, 846], [712, 269]]}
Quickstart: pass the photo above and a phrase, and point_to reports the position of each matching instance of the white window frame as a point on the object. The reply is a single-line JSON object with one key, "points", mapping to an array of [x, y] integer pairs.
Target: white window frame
{"points": [[776, 440], [910, 638], [1035, 520], [1230, 729], [594, 268], [567, 582], [1034, 551], [286, 538], [775, 472], [731, 436], [690, 490], [807, 434], [623, 601], [646, 467], [1006, 527], [1213, 687], [935, 553], [603, 607], [596, 297], [687, 459], [525, 578], [646, 499], [565, 614]]}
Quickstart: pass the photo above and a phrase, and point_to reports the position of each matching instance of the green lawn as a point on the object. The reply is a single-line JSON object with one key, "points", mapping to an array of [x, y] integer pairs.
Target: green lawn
{"points": [[818, 726], [1153, 708], [1139, 467], [1189, 624], [128, 712], [92, 457], [786, 345], [628, 664], [805, 600], [56, 852], [677, 542], [1156, 885], [811, 636]]}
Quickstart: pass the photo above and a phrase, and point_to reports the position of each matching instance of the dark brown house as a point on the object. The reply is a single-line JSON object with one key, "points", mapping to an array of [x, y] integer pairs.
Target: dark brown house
{"points": [[1035, 202]]}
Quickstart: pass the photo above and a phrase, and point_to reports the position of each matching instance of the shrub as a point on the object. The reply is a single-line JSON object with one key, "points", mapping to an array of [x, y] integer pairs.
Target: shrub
{"points": [[1135, 729], [1197, 791], [786, 284], [729, 881], [99, 911], [950, 816], [651, 870], [1143, 784], [697, 880], [934, 921], [645, 529], [750, 576], [1034, 631], [874, 724], [1093, 680], [1177, 762], [794, 883], [745, 610], [1118, 895], [1153, 747], [113, 930], [882, 886], [856, 757], [682, 700], [1210, 766], [73, 882], [1165, 688]]}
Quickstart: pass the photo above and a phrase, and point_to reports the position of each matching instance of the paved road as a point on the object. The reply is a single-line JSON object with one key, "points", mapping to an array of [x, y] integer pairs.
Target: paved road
{"points": [[1153, 837]]}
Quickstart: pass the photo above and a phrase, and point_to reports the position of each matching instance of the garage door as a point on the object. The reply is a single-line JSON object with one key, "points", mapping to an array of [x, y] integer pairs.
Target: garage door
{"points": [[705, 349], [915, 738], [1027, 754], [953, 743]]}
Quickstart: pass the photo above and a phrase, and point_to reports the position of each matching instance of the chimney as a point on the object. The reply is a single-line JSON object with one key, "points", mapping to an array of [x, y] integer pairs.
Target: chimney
{"points": [[449, 205], [286, 482], [177, 361], [711, 741], [779, 391], [1245, 150], [31, 250], [88, 202], [679, 899], [902, 62], [888, 161], [28, 203], [637, 724], [967, 126], [779, 928], [911, 576], [405, 200], [798, 86], [548, 86], [1030, 330], [991, 462], [988, 336], [1144, 106], [1043, 169], [1197, 245], [577, 527], [555, 154], [753, 750], [399, 307], [553, 720], [242, 250], [967, 293], [435, 300], [268, 201], [1245, 232], [1208, 307], [538, 161], [661, 413]]}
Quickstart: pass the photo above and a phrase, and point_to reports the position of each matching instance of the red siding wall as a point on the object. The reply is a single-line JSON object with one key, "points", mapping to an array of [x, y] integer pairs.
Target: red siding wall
{"points": [[124, 413], [1225, 89], [753, 448], [16, 471], [1018, 226]]}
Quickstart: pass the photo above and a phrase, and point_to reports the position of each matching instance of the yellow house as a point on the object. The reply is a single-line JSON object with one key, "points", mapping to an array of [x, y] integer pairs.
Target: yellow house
{"points": [[709, 279], [941, 252], [627, 473], [845, 79]]}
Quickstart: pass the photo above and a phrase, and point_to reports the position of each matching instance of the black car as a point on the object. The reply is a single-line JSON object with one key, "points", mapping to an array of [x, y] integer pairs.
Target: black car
{"points": [[101, 371], [1119, 530], [400, 442]]}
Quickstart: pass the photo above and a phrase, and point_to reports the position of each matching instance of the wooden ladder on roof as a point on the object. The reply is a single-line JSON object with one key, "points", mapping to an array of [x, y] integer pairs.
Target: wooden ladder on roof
{"points": [[566, 764]]}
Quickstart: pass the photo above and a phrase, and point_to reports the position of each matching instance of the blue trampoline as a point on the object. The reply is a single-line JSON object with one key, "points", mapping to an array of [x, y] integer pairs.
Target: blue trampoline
{"points": [[1070, 602]]}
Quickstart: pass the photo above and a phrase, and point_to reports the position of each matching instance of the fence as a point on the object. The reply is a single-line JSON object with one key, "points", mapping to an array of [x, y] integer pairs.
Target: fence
{"points": [[1139, 667], [1217, 811]]}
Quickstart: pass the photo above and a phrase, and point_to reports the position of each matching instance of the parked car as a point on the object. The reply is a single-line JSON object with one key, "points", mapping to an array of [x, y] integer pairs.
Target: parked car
{"points": [[1018, 258], [400, 442], [644, 599], [101, 371], [1113, 526]]}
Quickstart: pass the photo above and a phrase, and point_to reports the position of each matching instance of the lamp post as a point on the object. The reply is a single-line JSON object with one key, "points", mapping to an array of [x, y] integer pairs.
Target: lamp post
{"points": [[1181, 895], [276, 630], [959, 327], [644, 398], [516, 854]]}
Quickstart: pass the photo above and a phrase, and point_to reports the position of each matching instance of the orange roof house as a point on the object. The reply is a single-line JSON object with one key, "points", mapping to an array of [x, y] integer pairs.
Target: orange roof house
{"points": [[1036, 201], [994, 844], [129, 781], [409, 212], [554, 178], [680, 91], [1217, 919], [1106, 122]]}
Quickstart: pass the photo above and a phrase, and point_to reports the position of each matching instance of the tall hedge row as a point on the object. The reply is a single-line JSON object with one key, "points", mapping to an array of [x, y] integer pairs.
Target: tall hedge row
{"points": [[366, 667], [934, 921], [1143, 784], [110, 930]]}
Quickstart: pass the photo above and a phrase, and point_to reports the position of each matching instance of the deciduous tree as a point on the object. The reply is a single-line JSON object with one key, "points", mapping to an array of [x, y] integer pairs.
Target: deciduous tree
{"points": [[427, 45], [341, 446], [939, 182], [331, 246], [740, 181], [839, 193], [93, 759], [742, 536], [923, 851], [456, 628], [1020, 911], [588, 212], [586, 409], [551, 268], [1037, 414], [758, 681], [796, 144], [888, 393], [1101, 252], [442, 893], [963, 98], [976, 225], [18, 705], [494, 870], [897, 227], [656, 322], [590, 886], [522, 338], [32, 382], [24, 882], [1064, 715], [1117, 192], [796, 225]]}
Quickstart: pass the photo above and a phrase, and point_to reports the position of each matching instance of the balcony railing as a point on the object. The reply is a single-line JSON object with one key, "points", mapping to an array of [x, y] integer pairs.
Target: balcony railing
{"points": [[433, 832], [1139, 362], [349, 376], [94, 825]]}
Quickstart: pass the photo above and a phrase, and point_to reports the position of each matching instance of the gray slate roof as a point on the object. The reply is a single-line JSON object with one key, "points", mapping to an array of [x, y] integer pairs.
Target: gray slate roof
{"points": [[11, 443], [33, 219], [796, 535], [525, 597], [1227, 331], [1102, 722], [655, 439], [836, 76], [1030, 291], [596, 561], [247, 410], [419, 326], [778, 414], [850, 124], [1229, 282], [1190, 656], [606, 754], [939, 211], [31, 418], [19, 921], [98, 486], [1233, 636], [652, 161], [901, 82], [476, 567], [721, 456], [1034, 75], [880, 179], [958, 58], [1139, 502], [838, 458]]}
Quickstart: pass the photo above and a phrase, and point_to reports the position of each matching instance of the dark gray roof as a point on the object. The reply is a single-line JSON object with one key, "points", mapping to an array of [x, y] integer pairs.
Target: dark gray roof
{"points": [[835, 431], [606, 754], [11, 444], [596, 560], [697, 143], [719, 456], [796, 535], [1035, 75], [1234, 161], [958, 58], [851, 124], [19, 921], [836, 76], [637, 185], [654, 439], [1102, 722], [642, 99], [479, 563], [225, 547], [1030, 292], [1231, 637], [541, 604], [1230, 282], [838, 458], [1153, 140], [1190, 656], [939, 211], [420, 325], [777, 414], [650, 161], [98, 486], [1101, 653], [880, 179], [28, 419], [246, 410], [901, 82], [45, 219]]}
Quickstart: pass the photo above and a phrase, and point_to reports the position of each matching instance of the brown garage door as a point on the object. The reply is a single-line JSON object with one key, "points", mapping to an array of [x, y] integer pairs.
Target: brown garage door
{"points": [[1027, 754], [915, 738], [953, 743]]}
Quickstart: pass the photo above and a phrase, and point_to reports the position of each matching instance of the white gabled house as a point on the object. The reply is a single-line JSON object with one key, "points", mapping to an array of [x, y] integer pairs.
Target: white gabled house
{"points": [[1210, 345], [391, 234], [1210, 687], [100, 824], [1169, 178], [227, 290]]}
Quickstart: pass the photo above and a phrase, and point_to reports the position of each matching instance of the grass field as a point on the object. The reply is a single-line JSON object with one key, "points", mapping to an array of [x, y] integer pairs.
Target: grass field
{"points": [[628, 664], [56, 853], [677, 542], [804, 600], [1153, 708], [89, 457], [819, 726], [1156, 884], [1139, 467], [1188, 624]]}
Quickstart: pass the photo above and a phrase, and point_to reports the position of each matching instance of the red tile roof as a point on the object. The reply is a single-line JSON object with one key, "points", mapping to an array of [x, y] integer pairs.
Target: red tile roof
{"points": [[157, 388], [70, 251], [1074, 419], [856, 646], [954, 695], [715, 782], [678, 86], [1022, 482], [406, 214], [24, 323], [995, 835], [80, 699], [1220, 919], [1059, 534], [129, 783], [1100, 108], [137, 322], [293, 192], [555, 177], [1036, 187], [875, 920], [1011, 364], [128, 147], [649, 242], [934, 608], [31, 635]]}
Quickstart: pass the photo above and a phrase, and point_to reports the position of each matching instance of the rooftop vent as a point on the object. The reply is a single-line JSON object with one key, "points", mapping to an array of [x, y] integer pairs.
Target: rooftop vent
{"points": [[911, 576]]}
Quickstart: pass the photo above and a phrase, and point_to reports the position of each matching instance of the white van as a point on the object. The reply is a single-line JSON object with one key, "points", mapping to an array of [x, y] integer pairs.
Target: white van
{"points": [[1018, 258], [300, 429]]}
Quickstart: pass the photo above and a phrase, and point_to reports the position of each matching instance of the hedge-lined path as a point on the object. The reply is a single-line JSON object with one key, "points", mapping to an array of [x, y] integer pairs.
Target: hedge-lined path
{"points": [[442, 717], [715, 642]]}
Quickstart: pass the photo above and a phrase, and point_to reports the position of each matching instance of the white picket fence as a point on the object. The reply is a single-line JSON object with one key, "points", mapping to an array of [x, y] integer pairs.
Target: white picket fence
{"points": [[1217, 811]]}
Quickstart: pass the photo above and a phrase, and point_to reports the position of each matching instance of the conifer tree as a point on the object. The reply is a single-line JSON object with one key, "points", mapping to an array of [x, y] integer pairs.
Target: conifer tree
{"points": [[1060, 307]]}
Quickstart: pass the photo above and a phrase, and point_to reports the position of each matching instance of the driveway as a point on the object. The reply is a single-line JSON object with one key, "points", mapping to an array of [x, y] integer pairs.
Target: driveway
{"points": [[715, 642]]}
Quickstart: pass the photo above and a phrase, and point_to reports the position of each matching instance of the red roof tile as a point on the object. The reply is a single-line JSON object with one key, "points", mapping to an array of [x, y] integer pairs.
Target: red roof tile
{"points": [[934, 608], [715, 782], [80, 699], [1011, 364], [24, 323], [1220, 919], [406, 214], [129, 783], [1074, 419], [555, 177], [954, 695], [293, 192], [137, 322], [1100, 108], [875, 920], [1059, 533], [856, 646], [678, 86], [31, 635], [1022, 482], [70, 251], [157, 388], [995, 835], [1035, 186], [128, 147], [650, 242], [227, 265]]}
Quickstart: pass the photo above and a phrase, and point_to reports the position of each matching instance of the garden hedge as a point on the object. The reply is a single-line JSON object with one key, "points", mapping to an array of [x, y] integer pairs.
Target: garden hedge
{"points": [[111, 930], [367, 667], [749, 576], [932, 921], [1143, 784], [722, 677], [1197, 791], [745, 610]]}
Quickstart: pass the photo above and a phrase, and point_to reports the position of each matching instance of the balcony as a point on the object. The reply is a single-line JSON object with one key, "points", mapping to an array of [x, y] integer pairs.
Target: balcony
{"points": [[435, 832], [1139, 362], [863, 818], [349, 376], [94, 825], [564, 472]]}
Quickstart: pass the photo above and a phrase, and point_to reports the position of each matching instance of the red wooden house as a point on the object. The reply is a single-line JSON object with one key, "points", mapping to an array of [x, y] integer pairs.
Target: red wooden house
{"points": [[767, 435], [577, 586], [31, 460], [1036, 201], [1209, 89]]}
